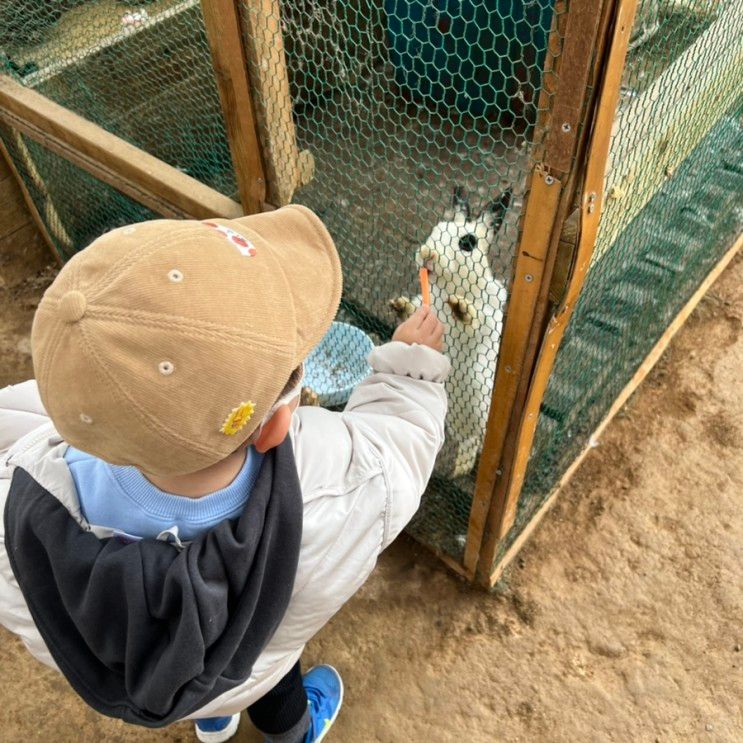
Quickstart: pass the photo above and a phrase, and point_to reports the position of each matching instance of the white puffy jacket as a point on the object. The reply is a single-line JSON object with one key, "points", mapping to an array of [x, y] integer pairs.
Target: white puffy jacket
{"points": [[362, 474]]}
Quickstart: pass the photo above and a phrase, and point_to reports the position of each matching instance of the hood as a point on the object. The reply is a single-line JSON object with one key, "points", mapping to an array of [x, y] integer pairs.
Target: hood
{"points": [[143, 631]]}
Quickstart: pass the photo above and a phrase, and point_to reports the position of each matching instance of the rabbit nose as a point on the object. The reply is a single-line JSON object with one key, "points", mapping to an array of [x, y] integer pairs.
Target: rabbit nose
{"points": [[467, 243]]}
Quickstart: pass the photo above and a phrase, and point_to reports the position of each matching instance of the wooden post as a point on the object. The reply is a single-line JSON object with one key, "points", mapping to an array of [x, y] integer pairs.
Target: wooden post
{"points": [[561, 105], [503, 511], [222, 21], [541, 210], [287, 168], [137, 174]]}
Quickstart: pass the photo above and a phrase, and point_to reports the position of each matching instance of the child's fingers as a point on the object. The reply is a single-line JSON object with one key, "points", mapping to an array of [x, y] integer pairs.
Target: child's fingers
{"points": [[431, 322], [421, 315]]}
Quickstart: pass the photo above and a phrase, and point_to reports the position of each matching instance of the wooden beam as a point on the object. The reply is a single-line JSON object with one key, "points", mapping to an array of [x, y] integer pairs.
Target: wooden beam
{"points": [[287, 168], [693, 92], [566, 78], [222, 21], [591, 203], [569, 99], [630, 388], [123, 166], [541, 208]]}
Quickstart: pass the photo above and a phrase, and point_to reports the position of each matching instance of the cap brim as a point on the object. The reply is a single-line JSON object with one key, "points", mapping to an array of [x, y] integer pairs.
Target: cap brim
{"points": [[306, 254]]}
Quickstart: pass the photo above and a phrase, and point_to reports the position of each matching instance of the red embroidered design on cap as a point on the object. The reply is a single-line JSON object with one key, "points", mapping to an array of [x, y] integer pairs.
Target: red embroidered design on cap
{"points": [[242, 243]]}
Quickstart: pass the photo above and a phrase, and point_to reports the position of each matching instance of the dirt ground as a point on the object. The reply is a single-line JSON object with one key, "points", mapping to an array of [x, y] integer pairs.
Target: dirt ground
{"points": [[620, 621]]}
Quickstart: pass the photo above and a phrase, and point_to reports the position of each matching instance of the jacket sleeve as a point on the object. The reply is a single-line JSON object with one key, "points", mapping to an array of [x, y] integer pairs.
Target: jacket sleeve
{"points": [[400, 411], [20, 412]]}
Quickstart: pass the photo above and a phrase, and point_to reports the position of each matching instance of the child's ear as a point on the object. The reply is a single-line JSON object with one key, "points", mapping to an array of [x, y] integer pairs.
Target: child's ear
{"points": [[275, 430]]}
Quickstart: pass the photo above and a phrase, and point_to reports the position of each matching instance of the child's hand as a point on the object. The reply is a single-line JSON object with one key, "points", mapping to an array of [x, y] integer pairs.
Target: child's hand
{"points": [[422, 327]]}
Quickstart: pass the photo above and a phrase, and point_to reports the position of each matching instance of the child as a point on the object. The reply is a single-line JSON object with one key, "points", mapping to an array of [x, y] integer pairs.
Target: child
{"points": [[178, 531]]}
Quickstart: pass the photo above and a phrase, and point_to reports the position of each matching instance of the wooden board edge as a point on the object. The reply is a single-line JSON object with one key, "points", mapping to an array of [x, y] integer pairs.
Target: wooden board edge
{"points": [[136, 173], [539, 216], [452, 564], [591, 203], [630, 388], [229, 61], [486, 527]]}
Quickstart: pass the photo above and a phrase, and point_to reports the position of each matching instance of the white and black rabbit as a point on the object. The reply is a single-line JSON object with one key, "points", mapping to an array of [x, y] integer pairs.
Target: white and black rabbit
{"points": [[470, 301]]}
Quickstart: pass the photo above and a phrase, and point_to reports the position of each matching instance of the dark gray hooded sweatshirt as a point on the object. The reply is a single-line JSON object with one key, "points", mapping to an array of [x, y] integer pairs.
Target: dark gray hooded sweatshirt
{"points": [[146, 632]]}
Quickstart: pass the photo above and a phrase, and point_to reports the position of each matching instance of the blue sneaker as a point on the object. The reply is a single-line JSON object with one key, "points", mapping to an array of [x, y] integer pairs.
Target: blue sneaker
{"points": [[217, 729], [324, 688]]}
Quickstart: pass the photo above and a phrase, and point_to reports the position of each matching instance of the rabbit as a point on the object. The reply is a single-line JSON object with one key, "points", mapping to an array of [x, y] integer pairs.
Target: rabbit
{"points": [[470, 300]]}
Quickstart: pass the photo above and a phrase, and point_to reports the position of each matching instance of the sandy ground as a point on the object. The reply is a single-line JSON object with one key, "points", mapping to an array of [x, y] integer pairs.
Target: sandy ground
{"points": [[620, 621]]}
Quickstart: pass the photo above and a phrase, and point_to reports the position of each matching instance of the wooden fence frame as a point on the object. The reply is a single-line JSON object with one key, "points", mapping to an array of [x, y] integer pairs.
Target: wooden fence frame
{"points": [[562, 131], [139, 175], [587, 50], [630, 388], [522, 427], [267, 163]]}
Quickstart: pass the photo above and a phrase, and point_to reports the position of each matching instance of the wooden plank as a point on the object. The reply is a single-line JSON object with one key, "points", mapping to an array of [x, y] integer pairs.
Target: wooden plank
{"points": [[648, 147], [287, 168], [510, 390], [13, 214], [591, 202], [648, 363], [570, 97], [32, 209], [550, 77], [144, 178], [222, 21], [541, 208]]}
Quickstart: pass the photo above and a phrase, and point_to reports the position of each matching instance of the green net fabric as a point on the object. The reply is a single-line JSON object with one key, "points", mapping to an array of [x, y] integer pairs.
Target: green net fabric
{"points": [[674, 206]]}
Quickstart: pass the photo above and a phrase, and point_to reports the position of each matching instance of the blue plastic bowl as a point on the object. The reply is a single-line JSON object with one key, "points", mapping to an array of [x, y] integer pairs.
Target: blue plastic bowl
{"points": [[338, 364]]}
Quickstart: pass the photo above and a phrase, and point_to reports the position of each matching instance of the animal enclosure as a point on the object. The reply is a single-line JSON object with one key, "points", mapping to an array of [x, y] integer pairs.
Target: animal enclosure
{"points": [[560, 167]]}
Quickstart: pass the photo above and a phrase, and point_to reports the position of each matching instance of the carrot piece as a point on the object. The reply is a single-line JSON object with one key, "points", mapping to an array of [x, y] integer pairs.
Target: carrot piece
{"points": [[425, 287]]}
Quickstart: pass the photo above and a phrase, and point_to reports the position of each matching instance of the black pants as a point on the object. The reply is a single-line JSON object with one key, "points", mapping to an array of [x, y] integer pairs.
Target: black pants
{"points": [[283, 707]]}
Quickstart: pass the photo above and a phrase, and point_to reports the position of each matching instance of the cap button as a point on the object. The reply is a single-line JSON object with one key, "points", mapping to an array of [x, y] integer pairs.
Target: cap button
{"points": [[72, 306]]}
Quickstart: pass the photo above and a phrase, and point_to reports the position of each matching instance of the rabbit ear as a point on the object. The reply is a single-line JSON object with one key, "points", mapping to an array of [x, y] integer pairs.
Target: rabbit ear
{"points": [[461, 205], [492, 215]]}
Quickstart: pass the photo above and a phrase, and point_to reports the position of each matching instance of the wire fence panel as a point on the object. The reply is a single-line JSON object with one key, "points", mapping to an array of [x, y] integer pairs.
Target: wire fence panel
{"points": [[674, 188], [400, 103], [140, 70]]}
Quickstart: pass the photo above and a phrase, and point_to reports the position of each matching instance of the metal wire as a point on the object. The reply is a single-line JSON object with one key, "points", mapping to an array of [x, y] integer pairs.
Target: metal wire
{"points": [[673, 188]]}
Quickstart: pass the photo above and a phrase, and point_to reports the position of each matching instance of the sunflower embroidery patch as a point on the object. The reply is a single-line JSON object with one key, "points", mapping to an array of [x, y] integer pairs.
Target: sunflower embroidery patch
{"points": [[237, 418], [241, 242]]}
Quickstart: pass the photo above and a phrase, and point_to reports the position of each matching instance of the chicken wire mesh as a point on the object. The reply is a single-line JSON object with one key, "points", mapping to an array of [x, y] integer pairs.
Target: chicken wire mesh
{"points": [[420, 116], [141, 70], [420, 119], [674, 189]]}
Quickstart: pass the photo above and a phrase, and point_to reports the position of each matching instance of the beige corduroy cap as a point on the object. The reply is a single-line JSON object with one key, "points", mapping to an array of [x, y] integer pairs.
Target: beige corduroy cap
{"points": [[164, 344]]}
